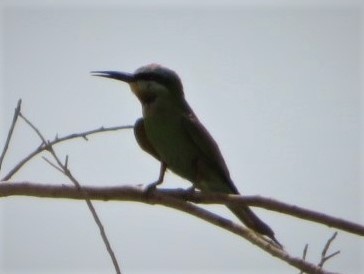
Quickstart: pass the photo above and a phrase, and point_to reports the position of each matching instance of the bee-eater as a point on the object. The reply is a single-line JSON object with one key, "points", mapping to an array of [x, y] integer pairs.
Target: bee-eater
{"points": [[172, 134]]}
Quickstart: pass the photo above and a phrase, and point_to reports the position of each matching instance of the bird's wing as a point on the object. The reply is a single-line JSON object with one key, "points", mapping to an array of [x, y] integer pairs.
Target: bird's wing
{"points": [[142, 139], [209, 148]]}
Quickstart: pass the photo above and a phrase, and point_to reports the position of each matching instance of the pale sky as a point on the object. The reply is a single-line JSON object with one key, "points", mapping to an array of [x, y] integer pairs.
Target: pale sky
{"points": [[278, 86]]}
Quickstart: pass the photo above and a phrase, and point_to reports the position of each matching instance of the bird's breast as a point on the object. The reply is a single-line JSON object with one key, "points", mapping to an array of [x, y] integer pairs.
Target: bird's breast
{"points": [[166, 133]]}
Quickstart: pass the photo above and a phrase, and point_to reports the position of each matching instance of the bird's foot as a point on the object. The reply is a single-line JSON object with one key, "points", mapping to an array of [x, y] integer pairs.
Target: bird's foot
{"points": [[188, 193], [152, 186], [191, 190]]}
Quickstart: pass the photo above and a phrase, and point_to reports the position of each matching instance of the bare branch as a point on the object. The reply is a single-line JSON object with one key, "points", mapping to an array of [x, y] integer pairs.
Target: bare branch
{"points": [[36, 130], [58, 140], [327, 245], [248, 234], [273, 205], [66, 171], [52, 164], [177, 199], [160, 197], [304, 254], [134, 193], [325, 257], [11, 130], [63, 168]]}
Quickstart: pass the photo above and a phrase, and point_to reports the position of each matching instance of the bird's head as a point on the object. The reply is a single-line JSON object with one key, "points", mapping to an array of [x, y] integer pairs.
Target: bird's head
{"points": [[149, 82]]}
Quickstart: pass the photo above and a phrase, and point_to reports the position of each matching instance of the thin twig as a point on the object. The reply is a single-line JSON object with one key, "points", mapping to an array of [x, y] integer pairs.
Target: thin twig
{"points": [[10, 133], [325, 257], [66, 171], [328, 243], [329, 257], [304, 254], [52, 164], [56, 141], [36, 130], [92, 209]]}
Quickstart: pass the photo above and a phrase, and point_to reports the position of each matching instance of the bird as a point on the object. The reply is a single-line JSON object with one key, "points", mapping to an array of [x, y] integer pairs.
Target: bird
{"points": [[171, 133]]}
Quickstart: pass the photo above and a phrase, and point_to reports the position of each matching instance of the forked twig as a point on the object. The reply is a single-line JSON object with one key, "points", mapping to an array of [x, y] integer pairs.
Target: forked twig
{"points": [[63, 168], [168, 198], [42, 147], [324, 257]]}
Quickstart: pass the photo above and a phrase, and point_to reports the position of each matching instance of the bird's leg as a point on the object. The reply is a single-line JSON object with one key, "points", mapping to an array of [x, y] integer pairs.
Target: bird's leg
{"points": [[153, 185]]}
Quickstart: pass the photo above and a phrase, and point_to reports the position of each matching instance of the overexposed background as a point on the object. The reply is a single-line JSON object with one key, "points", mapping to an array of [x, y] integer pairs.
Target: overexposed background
{"points": [[278, 85]]}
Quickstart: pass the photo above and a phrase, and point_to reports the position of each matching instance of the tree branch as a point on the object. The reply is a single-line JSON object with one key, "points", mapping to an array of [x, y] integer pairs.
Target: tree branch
{"points": [[174, 198], [324, 256], [168, 198], [136, 193], [63, 168], [42, 147]]}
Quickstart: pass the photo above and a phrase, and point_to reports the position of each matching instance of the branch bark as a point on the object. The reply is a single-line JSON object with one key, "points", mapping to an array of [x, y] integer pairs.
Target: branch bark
{"points": [[169, 198], [137, 194]]}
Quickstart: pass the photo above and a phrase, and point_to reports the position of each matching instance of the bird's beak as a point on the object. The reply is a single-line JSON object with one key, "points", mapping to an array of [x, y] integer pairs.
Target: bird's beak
{"points": [[122, 76]]}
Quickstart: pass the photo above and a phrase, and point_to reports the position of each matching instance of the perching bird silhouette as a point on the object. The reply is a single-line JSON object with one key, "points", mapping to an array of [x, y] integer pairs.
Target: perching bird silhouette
{"points": [[172, 134]]}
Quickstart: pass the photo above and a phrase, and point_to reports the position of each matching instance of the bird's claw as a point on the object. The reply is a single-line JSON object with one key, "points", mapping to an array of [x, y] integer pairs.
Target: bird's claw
{"points": [[152, 186]]}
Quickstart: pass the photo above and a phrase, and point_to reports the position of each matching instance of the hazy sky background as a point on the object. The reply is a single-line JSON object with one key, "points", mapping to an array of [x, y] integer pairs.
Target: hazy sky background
{"points": [[277, 85]]}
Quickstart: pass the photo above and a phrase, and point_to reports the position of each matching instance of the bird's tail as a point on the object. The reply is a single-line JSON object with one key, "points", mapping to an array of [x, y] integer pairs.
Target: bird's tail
{"points": [[248, 217]]}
